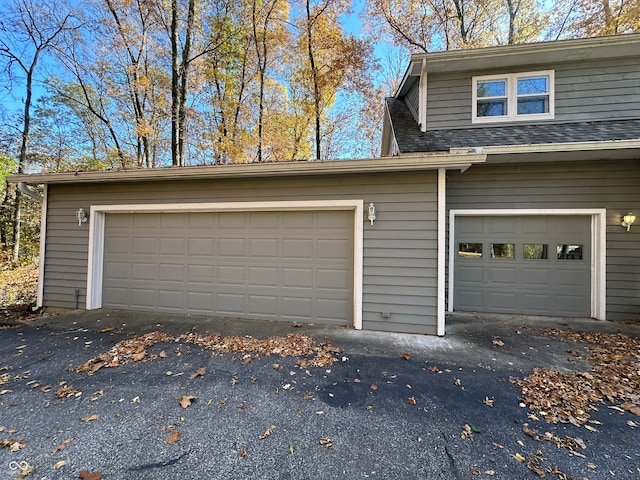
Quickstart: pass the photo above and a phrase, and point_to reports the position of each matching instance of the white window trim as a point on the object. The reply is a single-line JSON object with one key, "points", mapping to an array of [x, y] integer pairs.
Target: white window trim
{"points": [[512, 98], [98, 213], [598, 248]]}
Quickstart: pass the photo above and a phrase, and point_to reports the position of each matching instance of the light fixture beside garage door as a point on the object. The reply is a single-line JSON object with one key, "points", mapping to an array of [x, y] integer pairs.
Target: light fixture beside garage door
{"points": [[628, 220], [371, 213], [81, 216]]}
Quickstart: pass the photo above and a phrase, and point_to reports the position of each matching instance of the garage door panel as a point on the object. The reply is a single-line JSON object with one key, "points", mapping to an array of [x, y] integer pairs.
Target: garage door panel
{"points": [[118, 244], [297, 248], [298, 220], [332, 279], [117, 270], [232, 264], [263, 277], [502, 301], [231, 247], [144, 271], [532, 277], [200, 246], [470, 299], [331, 309], [503, 275], [264, 247], [471, 273], [172, 272], [297, 277], [263, 305], [548, 271]]}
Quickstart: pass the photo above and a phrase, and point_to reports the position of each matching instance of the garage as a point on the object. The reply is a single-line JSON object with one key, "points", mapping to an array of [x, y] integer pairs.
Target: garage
{"points": [[528, 264], [285, 265]]}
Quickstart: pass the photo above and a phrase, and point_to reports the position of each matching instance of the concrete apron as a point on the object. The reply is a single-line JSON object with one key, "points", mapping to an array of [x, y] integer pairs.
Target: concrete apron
{"points": [[472, 339]]}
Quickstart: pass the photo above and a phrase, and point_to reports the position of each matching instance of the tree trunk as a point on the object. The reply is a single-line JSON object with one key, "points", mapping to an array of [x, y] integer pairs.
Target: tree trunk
{"points": [[314, 77], [176, 157]]}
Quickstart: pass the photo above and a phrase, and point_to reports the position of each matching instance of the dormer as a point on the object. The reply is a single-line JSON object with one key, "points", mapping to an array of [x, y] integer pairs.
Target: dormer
{"points": [[501, 89]]}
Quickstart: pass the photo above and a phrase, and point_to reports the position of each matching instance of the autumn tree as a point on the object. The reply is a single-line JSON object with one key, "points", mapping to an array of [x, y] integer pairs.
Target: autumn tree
{"points": [[589, 18], [28, 30], [330, 58]]}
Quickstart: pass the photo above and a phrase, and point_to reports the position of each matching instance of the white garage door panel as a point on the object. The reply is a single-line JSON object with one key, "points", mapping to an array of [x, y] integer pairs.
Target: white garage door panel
{"points": [[499, 266], [290, 265]]}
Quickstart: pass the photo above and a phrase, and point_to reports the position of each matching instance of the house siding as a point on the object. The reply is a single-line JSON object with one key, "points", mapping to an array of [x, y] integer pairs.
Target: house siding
{"points": [[412, 99], [400, 249], [584, 91], [612, 185]]}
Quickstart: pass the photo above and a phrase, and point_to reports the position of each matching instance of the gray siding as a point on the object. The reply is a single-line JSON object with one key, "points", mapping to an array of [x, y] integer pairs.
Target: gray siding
{"points": [[610, 185], [400, 249], [412, 99], [583, 91]]}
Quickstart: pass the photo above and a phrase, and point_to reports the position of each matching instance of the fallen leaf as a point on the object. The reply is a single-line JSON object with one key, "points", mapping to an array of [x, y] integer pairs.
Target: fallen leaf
{"points": [[491, 473], [162, 354], [277, 366], [326, 442], [497, 342], [62, 445], [91, 418], [59, 465], [85, 475], [267, 432], [243, 451], [373, 386], [198, 373], [172, 437], [406, 356], [474, 471], [519, 457], [108, 329], [411, 400], [185, 400], [488, 401], [434, 369]]}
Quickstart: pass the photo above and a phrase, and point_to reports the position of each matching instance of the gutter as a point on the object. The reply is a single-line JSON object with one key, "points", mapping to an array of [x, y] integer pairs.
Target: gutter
{"points": [[550, 147], [261, 170], [24, 188]]}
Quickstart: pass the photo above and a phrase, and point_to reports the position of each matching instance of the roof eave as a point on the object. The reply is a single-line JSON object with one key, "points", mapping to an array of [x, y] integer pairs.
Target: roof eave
{"points": [[283, 169]]}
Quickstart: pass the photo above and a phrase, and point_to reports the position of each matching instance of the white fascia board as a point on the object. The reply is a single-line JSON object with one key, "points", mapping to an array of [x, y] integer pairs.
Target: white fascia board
{"points": [[413, 162], [550, 147]]}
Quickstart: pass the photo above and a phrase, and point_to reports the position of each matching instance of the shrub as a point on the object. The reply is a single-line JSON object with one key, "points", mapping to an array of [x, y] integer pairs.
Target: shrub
{"points": [[18, 290]]}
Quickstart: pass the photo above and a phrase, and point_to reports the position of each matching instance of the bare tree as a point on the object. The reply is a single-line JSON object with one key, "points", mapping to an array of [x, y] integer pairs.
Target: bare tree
{"points": [[28, 29]]}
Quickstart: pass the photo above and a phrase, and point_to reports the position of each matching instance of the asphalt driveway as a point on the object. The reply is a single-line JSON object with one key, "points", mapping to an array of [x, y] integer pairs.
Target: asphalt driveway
{"points": [[389, 407]]}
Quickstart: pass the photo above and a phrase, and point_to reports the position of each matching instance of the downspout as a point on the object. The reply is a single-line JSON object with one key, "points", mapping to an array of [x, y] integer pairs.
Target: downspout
{"points": [[24, 188]]}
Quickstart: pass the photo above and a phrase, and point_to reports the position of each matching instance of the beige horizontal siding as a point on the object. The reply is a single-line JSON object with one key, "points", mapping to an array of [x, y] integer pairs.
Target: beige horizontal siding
{"points": [[400, 249]]}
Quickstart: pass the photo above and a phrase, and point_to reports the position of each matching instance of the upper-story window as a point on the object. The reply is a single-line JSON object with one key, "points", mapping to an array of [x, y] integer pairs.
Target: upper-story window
{"points": [[513, 97]]}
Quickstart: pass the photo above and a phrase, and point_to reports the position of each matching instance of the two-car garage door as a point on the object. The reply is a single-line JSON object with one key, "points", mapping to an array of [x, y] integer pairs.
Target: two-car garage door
{"points": [[536, 264], [290, 265]]}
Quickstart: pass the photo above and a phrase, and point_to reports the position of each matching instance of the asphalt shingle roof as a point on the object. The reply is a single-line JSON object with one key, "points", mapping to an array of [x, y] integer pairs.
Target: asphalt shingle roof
{"points": [[411, 140]]}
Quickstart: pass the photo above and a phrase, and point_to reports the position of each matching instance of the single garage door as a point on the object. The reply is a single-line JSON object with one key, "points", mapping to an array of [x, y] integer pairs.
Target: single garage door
{"points": [[537, 265], [295, 265]]}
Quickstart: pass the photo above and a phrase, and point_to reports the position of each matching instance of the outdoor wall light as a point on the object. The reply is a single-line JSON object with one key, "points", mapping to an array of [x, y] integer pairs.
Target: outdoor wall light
{"points": [[371, 212], [81, 216], [628, 220]]}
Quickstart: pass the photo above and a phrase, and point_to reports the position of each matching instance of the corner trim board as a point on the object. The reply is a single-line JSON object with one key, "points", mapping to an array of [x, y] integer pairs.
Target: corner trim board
{"points": [[97, 220]]}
